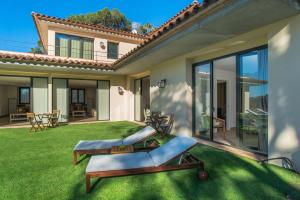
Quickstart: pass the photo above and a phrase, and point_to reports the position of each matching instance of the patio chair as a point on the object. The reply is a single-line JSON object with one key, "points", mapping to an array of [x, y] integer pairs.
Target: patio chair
{"points": [[104, 146], [167, 127], [55, 118], [147, 115], [157, 160], [35, 121], [220, 124]]}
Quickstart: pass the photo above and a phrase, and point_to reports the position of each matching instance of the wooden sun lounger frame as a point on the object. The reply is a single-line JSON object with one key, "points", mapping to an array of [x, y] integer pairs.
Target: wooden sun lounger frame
{"points": [[187, 161], [77, 153]]}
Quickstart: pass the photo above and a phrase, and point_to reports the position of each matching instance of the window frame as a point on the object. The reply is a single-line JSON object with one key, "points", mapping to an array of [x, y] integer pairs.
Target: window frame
{"points": [[69, 39], [77, 92], [108, 53], [29, 93]]}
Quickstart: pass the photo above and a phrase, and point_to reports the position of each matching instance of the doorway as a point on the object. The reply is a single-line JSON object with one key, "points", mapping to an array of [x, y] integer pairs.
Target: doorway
{"points": [[141, 97]]}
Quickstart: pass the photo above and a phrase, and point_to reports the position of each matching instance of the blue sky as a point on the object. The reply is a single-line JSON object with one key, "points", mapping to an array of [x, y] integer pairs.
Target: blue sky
{"points": [[18, 33]]}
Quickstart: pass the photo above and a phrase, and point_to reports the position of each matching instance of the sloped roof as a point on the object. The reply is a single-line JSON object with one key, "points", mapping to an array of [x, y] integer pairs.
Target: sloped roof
{"points": [[181, 17], [38, 16], [14, 57], [185, 14]]}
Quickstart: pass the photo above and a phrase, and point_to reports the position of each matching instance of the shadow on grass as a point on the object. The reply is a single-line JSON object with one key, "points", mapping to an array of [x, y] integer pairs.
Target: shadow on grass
{"points": [[225, 171]]}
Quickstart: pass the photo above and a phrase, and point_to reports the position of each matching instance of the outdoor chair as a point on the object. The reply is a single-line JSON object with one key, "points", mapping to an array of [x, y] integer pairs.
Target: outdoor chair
{"points": [[161, 159], [35, 121], [167, 127], [55, 118], [147, 115], [105, 146], [220, 124]]}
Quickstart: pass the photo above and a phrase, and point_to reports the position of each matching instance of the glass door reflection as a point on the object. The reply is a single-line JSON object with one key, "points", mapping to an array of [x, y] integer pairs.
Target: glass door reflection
{"points": [[203, 98]]}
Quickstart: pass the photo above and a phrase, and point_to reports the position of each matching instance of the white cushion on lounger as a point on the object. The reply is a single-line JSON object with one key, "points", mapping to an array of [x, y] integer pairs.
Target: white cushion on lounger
{"points": [[139, 136], [171, 149], [119, 162], [97, 144]]}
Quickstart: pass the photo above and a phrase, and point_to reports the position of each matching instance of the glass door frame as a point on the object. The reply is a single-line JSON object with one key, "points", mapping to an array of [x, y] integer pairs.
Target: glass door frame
{"points": [[194, 66], [141, 94], [211, 62]]}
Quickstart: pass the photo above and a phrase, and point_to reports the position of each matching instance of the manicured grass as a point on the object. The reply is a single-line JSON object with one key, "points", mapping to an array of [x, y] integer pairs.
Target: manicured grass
{"points": [[39, 166]]}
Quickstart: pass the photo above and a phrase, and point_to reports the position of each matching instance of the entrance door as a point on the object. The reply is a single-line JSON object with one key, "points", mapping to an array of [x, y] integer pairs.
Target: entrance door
{"points": [[203, 100]]}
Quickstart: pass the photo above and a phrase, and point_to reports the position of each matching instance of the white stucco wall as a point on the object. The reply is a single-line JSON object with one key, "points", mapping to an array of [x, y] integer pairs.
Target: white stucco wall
{"points": [[100, 53], [284, 96], [175, 97], [51, 43]]}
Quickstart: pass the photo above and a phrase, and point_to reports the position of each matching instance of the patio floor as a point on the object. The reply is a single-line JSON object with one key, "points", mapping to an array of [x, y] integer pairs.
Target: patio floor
{"points": [[39, 166]]}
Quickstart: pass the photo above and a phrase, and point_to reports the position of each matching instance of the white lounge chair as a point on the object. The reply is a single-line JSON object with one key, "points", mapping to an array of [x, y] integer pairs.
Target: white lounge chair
{"points": [[156, 160], [104, 146]]}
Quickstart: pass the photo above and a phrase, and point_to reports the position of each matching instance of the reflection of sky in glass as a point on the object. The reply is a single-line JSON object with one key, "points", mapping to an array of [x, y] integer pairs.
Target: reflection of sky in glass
{"points": [[256, 91], [254, 68], [203, 69], [251, 61]]}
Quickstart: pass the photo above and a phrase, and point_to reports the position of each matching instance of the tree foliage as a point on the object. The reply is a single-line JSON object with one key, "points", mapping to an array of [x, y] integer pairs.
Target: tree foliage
{"points": [[112, 19], [105, 17], [145, 28], [39, 49]]}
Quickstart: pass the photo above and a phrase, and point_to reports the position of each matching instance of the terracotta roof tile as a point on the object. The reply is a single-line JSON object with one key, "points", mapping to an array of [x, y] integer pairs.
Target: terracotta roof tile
{"points": [[178, 19], [88, 26], [52, 60]]}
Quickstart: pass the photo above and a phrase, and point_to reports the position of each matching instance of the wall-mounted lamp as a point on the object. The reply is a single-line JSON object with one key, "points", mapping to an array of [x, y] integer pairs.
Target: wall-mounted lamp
{"points": [[162, 83], [120, 90], [102, 45]]}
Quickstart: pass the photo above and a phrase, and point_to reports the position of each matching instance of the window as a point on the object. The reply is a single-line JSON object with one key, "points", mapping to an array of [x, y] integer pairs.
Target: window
{"points": [[78, 96], [112, 50], [24, 97], [74, 46]]}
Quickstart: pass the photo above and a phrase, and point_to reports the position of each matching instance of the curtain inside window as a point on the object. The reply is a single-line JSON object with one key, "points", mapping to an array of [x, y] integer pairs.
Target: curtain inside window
{"points": [[63, 47], [137, 99], [75, 48], [40, 95], [87, 49], [103, 100], [60, 98]]}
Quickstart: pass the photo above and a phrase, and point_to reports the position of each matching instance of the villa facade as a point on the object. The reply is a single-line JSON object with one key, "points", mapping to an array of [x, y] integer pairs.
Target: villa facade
{"points": [[227, 69]]}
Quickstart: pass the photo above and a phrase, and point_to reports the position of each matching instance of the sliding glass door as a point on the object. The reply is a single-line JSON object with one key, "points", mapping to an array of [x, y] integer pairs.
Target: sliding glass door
{"points": [[203, 100], [246, 122], [253, 100]]}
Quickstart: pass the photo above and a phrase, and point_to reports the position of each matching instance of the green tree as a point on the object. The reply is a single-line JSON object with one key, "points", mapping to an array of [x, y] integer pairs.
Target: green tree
{"points": [[39, 49], [145, 29], [105, 17]]}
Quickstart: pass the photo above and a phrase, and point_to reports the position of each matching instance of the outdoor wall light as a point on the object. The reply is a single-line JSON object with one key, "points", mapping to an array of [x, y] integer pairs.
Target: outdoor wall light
{"points": [[120, 90], [162, 83], [102, 45]]}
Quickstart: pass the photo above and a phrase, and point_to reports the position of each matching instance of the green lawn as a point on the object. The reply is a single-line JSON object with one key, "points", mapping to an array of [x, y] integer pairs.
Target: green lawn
{"points": [[39, 166]]}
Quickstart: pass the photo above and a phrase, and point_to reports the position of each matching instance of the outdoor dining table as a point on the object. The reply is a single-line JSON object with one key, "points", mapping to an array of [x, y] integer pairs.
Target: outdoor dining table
{"points": [[46, 116]]}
